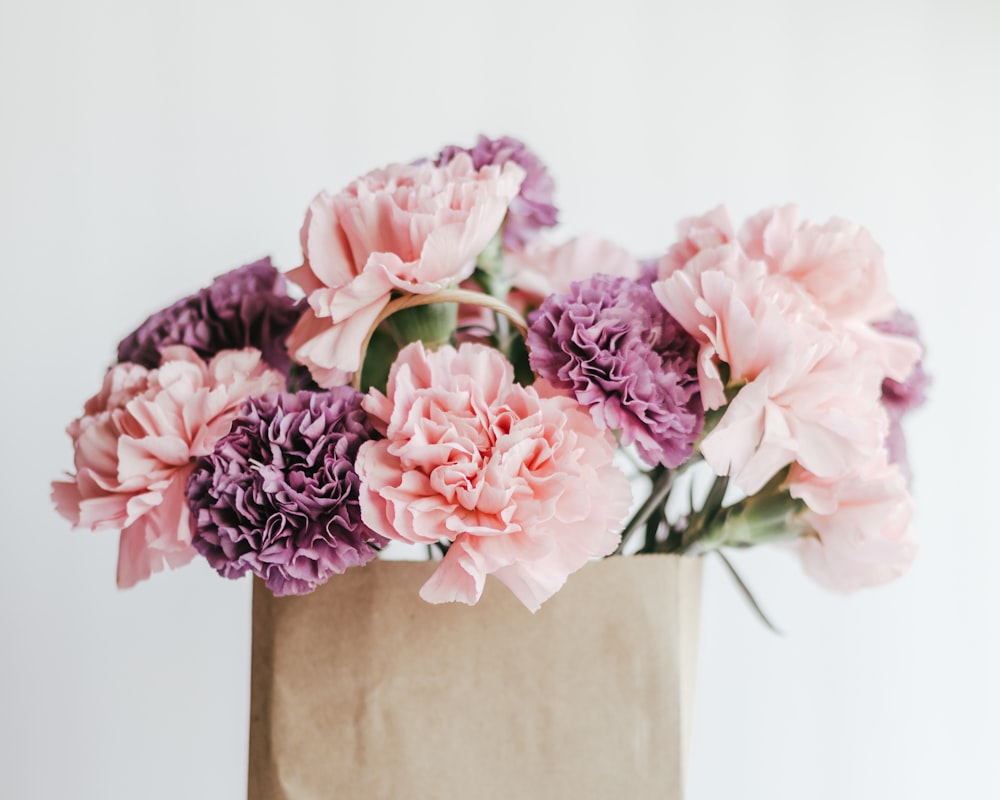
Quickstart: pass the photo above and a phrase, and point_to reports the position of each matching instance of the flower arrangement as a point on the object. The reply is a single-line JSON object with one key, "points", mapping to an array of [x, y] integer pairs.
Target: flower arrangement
{"points": [[447, 377]]}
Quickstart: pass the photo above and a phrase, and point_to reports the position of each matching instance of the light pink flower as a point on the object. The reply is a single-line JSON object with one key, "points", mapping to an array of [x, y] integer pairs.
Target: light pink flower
{"points": [[542, 268], [412, 228], [135, 444], [838, 263], [520, 484], [696, 234], [721, 299], [862, 524], [896, 356], [799, 389]]}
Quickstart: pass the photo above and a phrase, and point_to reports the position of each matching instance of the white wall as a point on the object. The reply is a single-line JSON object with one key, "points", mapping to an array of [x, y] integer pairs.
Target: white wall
{"points": [[145, 147]]}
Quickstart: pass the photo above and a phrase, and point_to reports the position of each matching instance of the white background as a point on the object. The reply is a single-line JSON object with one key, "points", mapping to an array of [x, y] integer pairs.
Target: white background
{"points": [[145, 148]]}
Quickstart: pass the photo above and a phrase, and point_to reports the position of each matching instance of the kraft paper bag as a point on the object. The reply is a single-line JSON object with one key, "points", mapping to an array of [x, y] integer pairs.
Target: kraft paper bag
{"points": [[363, 690]]}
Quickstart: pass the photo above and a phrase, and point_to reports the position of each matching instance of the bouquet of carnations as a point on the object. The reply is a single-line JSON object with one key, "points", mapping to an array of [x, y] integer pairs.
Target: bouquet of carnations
{"points": [[445, 376]]}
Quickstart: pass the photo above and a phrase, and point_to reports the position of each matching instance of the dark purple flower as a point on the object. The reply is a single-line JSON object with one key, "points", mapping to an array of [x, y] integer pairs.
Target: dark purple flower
{"points": [[901, 397], [247, 307], [609, 343], [279, 495], [532, 209]]}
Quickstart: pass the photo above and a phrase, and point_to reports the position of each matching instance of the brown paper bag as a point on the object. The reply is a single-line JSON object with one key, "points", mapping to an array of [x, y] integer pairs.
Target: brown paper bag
{"points": [[362, 690]]}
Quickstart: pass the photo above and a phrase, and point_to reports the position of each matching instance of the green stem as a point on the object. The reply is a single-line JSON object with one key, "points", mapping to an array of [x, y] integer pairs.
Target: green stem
{"points": [[652, 528], [432, 324], [770, 515], [657, 497], [701, 521], [674, 543], [747, 593]]}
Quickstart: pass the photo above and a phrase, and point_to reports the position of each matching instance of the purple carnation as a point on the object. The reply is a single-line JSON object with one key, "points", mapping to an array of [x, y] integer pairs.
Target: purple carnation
{"points": [[900, 397], [279, 495], [610, 344], [649, 269], [247, 307], [532, 209]]}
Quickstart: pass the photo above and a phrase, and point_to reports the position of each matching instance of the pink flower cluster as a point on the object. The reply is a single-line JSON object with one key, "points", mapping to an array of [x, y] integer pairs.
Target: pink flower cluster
{"points": [[136, 444], [772, 353], [786, 313], [412, 228], [521, 484]]}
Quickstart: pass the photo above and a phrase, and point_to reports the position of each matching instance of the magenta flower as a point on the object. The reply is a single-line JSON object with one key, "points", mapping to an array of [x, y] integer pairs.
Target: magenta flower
{"points": [[611, 345], [247, 307], [278, 497], [532, 209]]}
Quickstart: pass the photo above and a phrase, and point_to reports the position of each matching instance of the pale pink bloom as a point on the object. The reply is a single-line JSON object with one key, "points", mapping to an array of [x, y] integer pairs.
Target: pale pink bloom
{"points": [[838, 263], [412, 228], [543, 269], [818, 408], [895, 355], [696, 234], [135, 444], [862, 524], [799, 389], [722, 299], [841, 267], [519, 483]]}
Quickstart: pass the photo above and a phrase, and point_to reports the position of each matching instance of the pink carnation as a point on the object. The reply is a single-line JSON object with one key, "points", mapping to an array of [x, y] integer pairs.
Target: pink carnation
{"points": [[520, 484], [135, 445], [696, 234], [838, 263], [840, 266], [412, 228], [543, 269], [801, 391], [862, 524]]}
